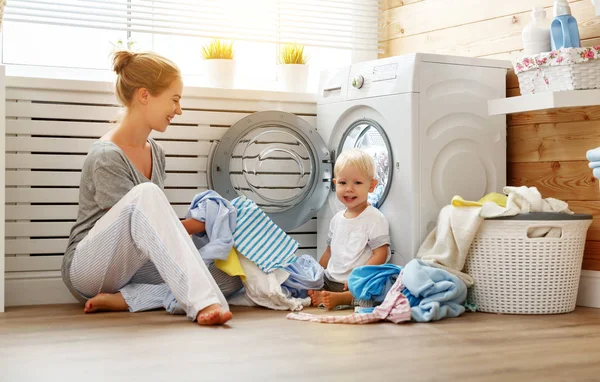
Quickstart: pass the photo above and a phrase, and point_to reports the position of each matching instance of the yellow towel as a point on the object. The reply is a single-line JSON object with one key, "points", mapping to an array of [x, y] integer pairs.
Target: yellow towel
{"points": [[232, 265], [495, 197]]}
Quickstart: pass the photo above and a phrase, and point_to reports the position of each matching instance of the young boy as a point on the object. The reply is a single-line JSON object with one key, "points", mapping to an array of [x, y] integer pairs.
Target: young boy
{"points": [[358, 235]]}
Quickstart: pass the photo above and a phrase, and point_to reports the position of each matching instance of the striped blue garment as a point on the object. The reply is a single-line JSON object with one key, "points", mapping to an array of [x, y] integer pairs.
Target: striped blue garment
{"points": [[259, 239]]}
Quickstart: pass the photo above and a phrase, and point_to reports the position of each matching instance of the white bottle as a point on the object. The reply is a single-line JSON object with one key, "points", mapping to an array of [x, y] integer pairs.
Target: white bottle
{"points": [[536, 34]]}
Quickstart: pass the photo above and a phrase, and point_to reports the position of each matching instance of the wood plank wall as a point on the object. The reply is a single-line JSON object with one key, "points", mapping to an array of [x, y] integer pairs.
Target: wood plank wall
{"points": [[546, 149]]}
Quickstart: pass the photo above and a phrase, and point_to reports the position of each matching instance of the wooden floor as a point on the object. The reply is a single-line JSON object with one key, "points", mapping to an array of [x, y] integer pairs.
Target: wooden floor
{"points": [[60, 343]]}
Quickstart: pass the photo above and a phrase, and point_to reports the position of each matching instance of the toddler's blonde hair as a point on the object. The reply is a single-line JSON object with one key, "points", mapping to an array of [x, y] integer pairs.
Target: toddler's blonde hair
{"points": [[357, 158]]}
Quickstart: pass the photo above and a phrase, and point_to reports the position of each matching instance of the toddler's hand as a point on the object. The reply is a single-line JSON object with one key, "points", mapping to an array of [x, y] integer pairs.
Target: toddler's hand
{"points": [[346, 285]]}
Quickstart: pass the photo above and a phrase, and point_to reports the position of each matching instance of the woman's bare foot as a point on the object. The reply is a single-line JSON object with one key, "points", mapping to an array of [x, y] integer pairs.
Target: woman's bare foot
{"points": [[316, 297], [106, 302], [333, 299], [213, 315]]}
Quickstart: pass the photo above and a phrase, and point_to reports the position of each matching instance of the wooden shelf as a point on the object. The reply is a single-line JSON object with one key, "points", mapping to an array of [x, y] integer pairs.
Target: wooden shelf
{"points": [[542, 101]]}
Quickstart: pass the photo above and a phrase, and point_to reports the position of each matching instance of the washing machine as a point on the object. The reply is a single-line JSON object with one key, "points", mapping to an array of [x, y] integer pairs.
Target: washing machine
{"points": [[423, 118]]}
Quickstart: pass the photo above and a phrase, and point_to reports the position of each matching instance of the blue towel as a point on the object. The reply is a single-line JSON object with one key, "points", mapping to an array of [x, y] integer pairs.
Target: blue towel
{"points": [[596, 172], [259, 239], [372, 282], [594, 164], [220, 220], [306, 273], [593, 155], [442, 294]]}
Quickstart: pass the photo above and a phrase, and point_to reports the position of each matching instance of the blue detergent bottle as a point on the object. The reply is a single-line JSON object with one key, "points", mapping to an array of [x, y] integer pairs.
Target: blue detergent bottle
{"points": [[564, 32]]}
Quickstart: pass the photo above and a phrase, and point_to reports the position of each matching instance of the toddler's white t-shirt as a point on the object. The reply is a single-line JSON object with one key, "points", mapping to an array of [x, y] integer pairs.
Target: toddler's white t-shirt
{"points": [[352, 241]]}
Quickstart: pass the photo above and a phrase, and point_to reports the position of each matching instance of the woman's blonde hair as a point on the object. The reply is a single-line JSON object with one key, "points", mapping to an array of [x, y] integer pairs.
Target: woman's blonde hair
{"points": [[142, 70], [357, 158]]}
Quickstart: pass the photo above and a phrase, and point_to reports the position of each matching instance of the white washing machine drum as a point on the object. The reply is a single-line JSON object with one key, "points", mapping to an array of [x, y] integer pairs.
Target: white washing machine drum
{"points": [[277, 160]]}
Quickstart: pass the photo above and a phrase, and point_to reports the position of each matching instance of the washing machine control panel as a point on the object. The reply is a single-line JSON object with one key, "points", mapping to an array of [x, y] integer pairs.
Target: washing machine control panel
{"points": [[387, 76]]}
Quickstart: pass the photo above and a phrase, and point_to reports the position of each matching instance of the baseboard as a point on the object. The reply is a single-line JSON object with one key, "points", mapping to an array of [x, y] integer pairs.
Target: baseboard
{"points": [[589, 289], [39, 291], [52, 290]]}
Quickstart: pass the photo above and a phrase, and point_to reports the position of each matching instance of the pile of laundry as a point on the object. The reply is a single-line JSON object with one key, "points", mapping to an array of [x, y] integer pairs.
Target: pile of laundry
{"points": [[242, 242], [417, 292], [447, 246]]}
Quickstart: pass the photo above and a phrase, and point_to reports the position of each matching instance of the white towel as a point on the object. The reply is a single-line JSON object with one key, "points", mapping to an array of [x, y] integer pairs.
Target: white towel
{"points": [[447, 246], [265, 289], [523, 200]]}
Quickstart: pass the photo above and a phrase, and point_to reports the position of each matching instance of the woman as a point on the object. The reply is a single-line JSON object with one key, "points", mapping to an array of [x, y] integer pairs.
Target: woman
{"points": [[127, 248]]}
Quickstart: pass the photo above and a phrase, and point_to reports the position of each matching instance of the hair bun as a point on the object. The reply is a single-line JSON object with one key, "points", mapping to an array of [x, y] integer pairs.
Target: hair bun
{"points": [[121, 59]]}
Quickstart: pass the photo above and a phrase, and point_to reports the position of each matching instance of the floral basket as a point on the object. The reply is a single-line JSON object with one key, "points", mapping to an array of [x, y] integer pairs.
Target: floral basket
{"points": [[562, 69]]}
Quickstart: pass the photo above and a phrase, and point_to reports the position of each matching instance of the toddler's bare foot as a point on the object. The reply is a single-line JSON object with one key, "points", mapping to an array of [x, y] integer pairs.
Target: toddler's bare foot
{"points": [[316, 297], [106, 302], [333, 299], [213, 315]]}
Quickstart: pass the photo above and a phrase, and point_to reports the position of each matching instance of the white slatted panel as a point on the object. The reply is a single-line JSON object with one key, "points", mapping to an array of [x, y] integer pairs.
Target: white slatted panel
{"points": [[50, 126]]}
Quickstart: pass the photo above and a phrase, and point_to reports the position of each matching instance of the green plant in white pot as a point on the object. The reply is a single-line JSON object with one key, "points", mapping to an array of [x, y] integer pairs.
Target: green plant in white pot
{"points": [[292, 71], [219, 63]]}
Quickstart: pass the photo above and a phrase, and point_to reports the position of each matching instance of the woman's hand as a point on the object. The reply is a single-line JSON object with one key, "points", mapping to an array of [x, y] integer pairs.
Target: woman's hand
{"points": [[193, 226]]}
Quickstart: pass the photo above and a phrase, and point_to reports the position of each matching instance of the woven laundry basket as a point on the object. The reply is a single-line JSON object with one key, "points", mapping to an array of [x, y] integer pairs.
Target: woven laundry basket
{"points": [[518, 274], [563, 69]]}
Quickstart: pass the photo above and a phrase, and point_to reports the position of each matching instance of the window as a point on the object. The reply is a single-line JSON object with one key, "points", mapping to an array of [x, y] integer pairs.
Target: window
{"points": [[81, 34]]}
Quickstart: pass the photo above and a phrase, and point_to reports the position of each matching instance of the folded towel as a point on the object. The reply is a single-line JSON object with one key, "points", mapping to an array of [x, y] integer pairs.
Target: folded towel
{"points": [[594, 164], [593, 155], [597, 173]]}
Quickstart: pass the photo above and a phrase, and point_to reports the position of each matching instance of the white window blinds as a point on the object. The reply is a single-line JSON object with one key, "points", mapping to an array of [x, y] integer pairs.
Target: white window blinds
{"points": [[341, 24]]}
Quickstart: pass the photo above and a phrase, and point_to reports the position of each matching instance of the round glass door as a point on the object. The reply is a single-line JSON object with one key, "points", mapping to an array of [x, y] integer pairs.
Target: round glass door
{"points": [[277, 160], [369, 135]]}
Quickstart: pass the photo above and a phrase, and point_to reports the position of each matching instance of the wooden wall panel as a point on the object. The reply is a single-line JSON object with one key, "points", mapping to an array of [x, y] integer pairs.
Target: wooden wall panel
{"points": [[566, 141], [475, 28]]}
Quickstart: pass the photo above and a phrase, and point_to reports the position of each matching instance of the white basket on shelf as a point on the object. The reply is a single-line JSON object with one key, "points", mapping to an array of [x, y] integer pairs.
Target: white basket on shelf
{"points": [[518, 274], [563, 69]]}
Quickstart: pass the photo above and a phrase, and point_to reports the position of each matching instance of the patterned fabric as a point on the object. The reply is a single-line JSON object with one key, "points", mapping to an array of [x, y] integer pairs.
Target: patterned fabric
{"points": [[259, 239], [566, 56], [394, 308]]}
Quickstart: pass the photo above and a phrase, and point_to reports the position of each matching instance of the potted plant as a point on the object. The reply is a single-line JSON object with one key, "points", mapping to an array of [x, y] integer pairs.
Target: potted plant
{"points": [[219, 63], [120, 45], [292, 71]]}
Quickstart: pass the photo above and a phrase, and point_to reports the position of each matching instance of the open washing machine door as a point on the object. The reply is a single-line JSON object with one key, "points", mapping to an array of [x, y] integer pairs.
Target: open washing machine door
{"points": [[277, 160]]}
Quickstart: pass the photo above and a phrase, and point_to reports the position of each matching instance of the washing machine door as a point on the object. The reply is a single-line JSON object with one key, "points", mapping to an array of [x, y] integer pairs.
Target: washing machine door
{"points": [[277, 160], [368, 135]]}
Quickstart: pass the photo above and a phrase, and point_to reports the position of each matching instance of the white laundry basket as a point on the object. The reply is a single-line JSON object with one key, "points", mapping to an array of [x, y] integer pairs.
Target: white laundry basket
{"points": [[518, 274]]}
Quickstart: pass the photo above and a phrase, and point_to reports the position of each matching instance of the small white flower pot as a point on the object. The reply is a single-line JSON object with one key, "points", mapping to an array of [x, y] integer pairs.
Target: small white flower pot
{"points": [[292, 77], [220, 73]]}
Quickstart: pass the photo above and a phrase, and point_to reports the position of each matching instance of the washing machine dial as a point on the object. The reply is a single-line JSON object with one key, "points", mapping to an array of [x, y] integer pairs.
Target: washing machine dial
{"points": [[358, 81]]}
